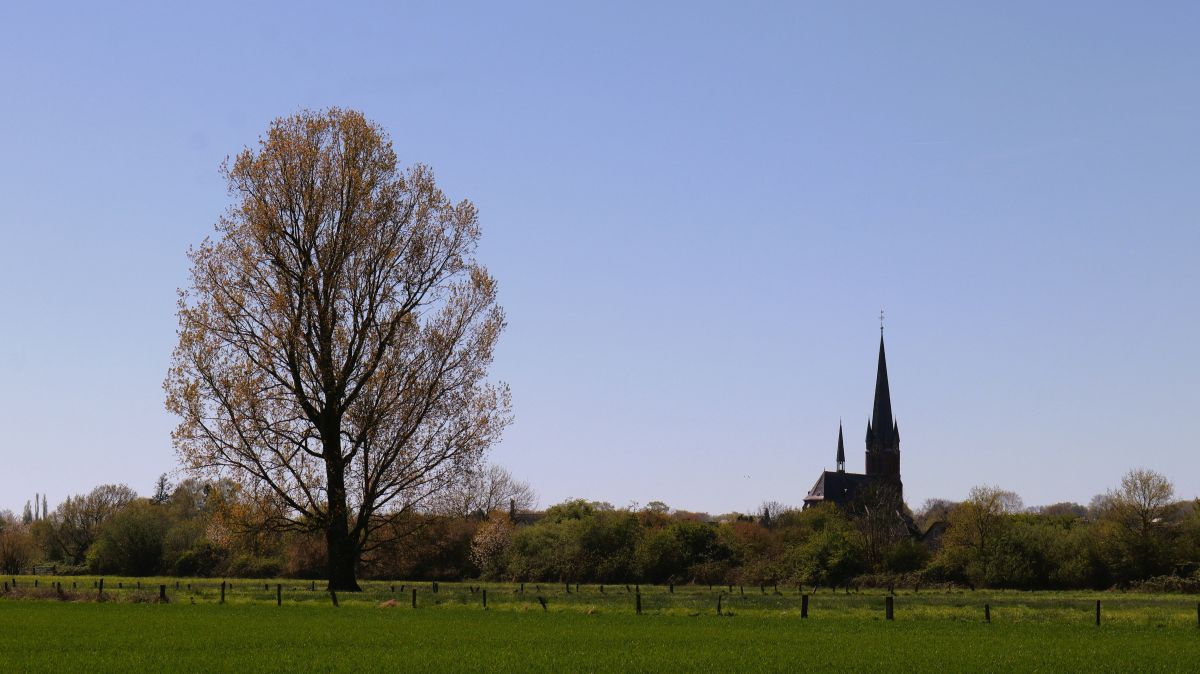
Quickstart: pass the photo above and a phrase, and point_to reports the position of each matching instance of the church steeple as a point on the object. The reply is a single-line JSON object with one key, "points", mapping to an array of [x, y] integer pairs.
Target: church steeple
{"points": [[882, 423], [841, 455], [883, 432]]}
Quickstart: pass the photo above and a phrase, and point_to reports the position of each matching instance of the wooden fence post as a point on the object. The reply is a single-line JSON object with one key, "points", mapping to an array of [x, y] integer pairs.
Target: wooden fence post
{"points": [[485, 598], [414, 598], [719, 595], [889, 607], [162, 593], [1097, 611], [333, 596], [671, 588], [803, 606], [987, 613], [638, 598], [101, 585], [279, 594], [222, 592]]}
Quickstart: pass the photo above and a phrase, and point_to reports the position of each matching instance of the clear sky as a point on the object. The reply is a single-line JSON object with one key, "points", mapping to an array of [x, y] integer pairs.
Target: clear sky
{"points": [[695, 213]]}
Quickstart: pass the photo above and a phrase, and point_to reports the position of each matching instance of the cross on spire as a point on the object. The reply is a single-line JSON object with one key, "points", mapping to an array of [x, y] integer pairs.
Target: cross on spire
{"points": [[881, 322]]}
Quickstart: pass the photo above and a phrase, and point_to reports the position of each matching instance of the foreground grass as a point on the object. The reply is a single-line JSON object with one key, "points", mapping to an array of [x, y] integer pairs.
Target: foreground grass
{"points": [[256, 636]]}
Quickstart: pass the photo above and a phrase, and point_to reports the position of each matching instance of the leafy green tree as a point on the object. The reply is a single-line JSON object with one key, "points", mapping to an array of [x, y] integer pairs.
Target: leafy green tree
{"points": [[1137, 517], [78, 520], [828, 554], [658, 507], [132, 542], [976, 532], [662, 556]]}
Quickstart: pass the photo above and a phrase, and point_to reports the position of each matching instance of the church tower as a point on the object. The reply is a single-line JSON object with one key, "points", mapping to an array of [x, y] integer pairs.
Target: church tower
{"points": [[883, 433]]}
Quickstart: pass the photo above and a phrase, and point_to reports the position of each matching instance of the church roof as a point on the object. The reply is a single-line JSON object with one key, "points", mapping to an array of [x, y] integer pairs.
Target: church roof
{"points": [[837, 488]]}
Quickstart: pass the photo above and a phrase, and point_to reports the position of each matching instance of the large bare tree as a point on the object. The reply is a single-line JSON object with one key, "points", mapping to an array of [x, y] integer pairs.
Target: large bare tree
{"points": [[484, 491], [334, 343]]}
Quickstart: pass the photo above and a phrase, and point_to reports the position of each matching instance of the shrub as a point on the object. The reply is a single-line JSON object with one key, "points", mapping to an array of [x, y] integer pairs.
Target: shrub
{"points": [[131, 543], [202, 560], [249, 566], [1165, 584]]}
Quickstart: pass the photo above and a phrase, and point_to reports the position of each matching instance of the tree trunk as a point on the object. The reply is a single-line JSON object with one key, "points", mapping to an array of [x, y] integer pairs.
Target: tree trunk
{"points": [[343, 552], [343, 558]]}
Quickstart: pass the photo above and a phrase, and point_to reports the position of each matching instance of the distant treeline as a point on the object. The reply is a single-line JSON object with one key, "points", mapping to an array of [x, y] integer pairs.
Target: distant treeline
{"points": [[1135, 536]]}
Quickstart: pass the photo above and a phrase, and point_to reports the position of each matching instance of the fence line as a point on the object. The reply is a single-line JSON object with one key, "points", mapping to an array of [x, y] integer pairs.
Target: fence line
{"points": [[653, 598]]}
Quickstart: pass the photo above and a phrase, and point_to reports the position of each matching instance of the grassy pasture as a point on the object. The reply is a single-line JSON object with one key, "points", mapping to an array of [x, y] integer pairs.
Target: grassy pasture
{"points": [[585, 630]]}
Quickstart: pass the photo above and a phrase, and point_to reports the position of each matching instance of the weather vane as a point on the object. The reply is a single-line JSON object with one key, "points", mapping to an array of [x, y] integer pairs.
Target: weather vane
{"points": [[881, 321]]}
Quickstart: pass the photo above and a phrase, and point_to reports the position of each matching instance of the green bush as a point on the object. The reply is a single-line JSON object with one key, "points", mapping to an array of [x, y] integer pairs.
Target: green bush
{"points": [[202, 560], [249, 566], [131, 543]]}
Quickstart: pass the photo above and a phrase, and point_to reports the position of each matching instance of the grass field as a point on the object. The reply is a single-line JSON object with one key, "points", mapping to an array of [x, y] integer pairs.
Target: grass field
{"points": [[586, 630]]}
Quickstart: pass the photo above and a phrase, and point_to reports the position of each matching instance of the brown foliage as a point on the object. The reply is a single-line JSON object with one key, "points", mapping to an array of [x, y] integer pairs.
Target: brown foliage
{"points": [[334, 344]]}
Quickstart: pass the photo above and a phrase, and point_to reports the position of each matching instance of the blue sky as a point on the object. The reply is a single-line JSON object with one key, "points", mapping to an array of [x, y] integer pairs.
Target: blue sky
{"points": [[695, 212]]}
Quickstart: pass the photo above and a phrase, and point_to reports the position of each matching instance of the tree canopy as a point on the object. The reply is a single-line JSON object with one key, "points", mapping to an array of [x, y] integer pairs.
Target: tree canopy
{"points": [[335, 339]]}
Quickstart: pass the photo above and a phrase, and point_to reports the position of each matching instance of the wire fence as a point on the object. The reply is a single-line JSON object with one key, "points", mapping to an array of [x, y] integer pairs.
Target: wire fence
{"points": [[726, 600]]}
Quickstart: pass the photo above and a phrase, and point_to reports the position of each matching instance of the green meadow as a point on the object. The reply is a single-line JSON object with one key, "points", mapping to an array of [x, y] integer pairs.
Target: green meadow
{"points": [[583, 630]]}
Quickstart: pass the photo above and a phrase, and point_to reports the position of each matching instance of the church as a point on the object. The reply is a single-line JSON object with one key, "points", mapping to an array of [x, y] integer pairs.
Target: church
{"points": [[883, 454]]}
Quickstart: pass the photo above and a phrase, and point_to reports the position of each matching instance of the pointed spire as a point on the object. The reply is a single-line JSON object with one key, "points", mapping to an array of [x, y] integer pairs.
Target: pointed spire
{"points": [[881, 414], [841, 455]]}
